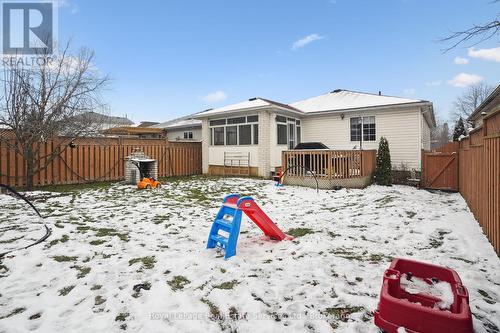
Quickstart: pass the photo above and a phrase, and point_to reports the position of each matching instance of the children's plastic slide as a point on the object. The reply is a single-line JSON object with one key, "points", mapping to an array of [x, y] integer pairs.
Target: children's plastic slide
{"points": [[228, 221]]}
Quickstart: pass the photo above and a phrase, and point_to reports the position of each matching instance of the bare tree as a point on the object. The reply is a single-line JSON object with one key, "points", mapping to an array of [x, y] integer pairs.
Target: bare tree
{"points": [[52, 99], [471, 99], [440, 135], [475, 34]]}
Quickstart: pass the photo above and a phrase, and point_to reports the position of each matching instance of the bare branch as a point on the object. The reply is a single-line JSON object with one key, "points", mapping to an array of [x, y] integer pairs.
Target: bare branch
{"points": [[52, 99]]}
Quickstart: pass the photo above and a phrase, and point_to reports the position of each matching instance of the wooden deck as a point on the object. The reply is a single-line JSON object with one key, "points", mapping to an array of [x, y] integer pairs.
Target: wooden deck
{"points": [[331, 168]]}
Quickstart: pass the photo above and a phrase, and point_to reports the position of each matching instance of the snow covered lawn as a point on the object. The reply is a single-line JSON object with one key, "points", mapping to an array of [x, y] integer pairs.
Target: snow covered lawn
{"points": [[106, 241]]}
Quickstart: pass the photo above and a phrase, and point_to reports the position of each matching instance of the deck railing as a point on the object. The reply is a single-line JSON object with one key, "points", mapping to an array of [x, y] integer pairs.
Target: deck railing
{"points": [[329, 164]]}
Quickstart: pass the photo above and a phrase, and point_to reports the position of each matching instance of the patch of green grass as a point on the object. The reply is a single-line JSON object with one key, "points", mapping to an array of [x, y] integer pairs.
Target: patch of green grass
{"points": [[35, 316], [215, 314], [147, 262], [74, 187], [104, 232], [66, 290], [464, 260], [333, 235], [486, 297], [82, 271], [227, 285], [122, 316], [13, 313], [99, 300], [410, 214], [178, 282], [97, 242], [6, 241], [299, 232], [233, 313], [83, 228], [384, 201], [435, 243], [161, 218], [64, 258], [63, 239], [342, 313]]}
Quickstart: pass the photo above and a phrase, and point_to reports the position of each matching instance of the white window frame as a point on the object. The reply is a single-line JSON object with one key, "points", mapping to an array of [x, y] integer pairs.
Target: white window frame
{"points": [[252, 130], [362, 134], [188, 135], [289, 121]]}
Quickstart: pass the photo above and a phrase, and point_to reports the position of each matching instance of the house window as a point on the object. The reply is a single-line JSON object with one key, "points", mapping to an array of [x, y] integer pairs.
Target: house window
{"points": [[245, 134], [252, 119], [369, 129], [239, 120], [188, 135], [217, 122], [229, 132], [231, 135], [368, 125], [356, 129], [218, 136], [282, 137], [288, 131], [280, 119]]}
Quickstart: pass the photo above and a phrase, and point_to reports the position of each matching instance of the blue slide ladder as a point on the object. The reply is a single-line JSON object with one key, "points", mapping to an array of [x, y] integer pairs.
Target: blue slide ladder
{"points": [[228, 220]]}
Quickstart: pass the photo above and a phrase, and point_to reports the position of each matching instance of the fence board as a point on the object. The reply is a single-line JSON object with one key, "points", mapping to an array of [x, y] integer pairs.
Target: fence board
{"points": [[97, 159], [479, 175]]}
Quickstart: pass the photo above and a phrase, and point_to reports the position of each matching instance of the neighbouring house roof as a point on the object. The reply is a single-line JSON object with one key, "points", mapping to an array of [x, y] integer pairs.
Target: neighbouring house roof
{"points": [[129, 130], [341, 100], [490, 104], [105, 119], [147, 123], [252, 103], [182, 122]]}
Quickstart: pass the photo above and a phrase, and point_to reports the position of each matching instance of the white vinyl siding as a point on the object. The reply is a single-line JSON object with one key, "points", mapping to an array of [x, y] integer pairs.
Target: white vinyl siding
{"points": [[178, 134], [426, 135], [401, 127]]}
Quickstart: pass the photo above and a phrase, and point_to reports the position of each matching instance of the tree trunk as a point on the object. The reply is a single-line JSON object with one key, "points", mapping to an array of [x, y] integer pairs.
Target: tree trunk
{"points": [[30, 166]]}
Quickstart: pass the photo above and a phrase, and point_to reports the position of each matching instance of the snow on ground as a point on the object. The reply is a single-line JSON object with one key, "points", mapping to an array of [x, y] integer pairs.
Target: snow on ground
{"points": [[107, 240]]}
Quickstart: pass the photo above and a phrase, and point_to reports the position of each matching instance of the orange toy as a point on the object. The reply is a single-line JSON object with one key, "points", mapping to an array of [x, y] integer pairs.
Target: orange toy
{"points": [[146, 182]]}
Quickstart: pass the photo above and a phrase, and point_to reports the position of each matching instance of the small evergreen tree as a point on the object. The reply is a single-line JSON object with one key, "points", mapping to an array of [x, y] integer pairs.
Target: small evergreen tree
{"points": [[383, 174], [459, 129]]}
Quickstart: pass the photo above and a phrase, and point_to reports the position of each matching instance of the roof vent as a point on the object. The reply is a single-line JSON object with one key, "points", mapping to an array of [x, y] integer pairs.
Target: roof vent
{"points": [[379, 93], [253, 99], [336, 91]]}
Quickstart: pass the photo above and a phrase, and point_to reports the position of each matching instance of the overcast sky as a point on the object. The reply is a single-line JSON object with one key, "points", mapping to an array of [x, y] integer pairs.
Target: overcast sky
{"points": [[171, 58]]}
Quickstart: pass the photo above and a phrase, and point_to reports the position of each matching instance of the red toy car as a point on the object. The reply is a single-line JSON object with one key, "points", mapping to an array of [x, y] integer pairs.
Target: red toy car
{"points": [[403, 305]]}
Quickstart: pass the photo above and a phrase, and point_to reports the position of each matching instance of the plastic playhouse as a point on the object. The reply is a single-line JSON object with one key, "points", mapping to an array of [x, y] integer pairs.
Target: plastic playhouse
{"points": [[228, 220], [399, 306]]}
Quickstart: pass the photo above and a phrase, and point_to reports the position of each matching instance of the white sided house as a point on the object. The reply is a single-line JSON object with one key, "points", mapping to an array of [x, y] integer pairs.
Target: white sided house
{"points": [[261, 129], [183, 129]]}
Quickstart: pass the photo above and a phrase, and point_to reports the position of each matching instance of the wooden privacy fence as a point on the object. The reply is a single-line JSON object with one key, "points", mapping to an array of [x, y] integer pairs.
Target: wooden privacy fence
{"points": [[479, 175], [471, 166], [440, 168], [330, 166], [96, 159]]}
